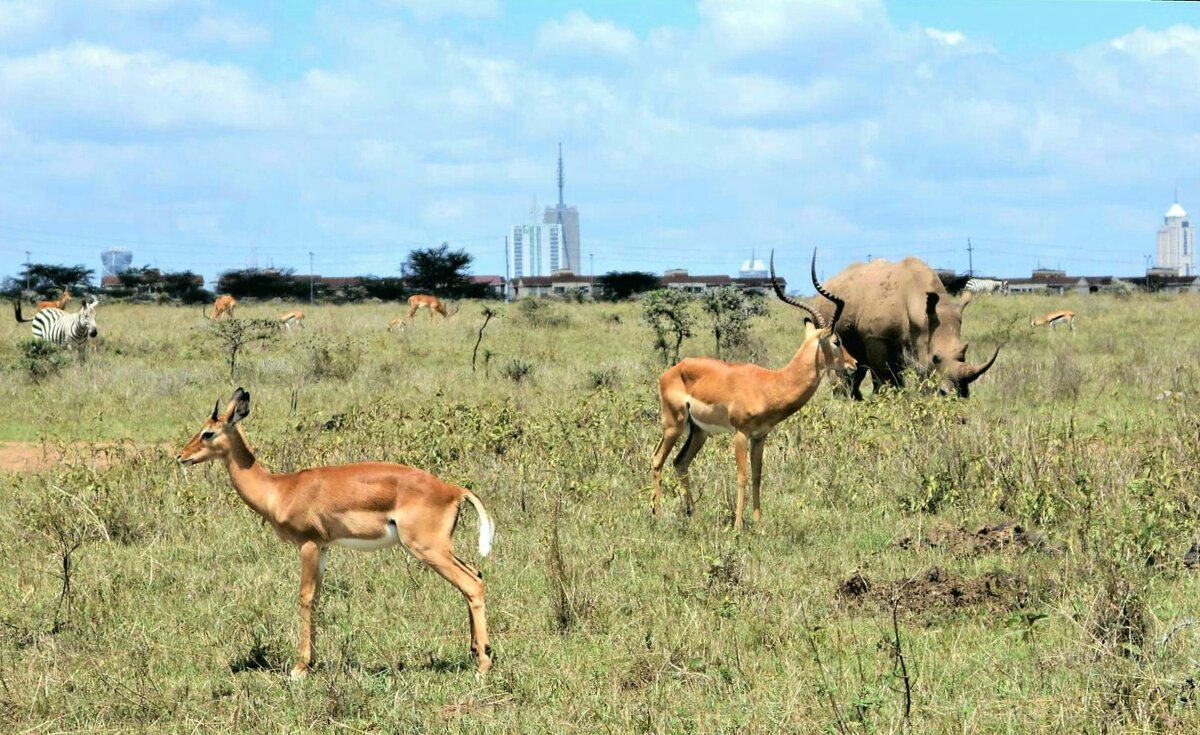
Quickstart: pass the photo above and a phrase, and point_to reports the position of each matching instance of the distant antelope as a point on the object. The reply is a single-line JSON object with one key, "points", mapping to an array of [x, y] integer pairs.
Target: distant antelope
{"points": [[365, 506], [59, 303], [223, 305], [425, 301], [292, 319], [1055, 318]]}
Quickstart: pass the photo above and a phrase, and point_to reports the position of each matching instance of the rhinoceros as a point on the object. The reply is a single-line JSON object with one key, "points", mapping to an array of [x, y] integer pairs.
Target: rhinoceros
{"points": [[899, 315]]}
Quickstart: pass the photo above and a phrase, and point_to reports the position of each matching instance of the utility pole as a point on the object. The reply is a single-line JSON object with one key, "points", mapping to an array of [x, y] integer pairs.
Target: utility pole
{"points": [[970, 258], [26, 270], [507, 275], [311, 277]]}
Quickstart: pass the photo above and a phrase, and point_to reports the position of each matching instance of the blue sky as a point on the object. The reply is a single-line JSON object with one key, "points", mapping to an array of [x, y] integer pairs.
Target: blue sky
{"points": [[209, 135]]}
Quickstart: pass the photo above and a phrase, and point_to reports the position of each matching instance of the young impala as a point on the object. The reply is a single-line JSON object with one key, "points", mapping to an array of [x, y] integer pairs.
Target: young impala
{"points": [[704, 396], [366, 506], [59, 303], [1054, 318], [291, 319]]}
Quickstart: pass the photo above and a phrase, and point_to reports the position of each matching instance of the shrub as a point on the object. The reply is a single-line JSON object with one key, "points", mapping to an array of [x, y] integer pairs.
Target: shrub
{"points": [[334, 360], [42, 359], [517, 370]]}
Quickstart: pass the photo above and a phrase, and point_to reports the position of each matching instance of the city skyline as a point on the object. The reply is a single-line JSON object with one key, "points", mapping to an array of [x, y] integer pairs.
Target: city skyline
{"points": [[212, 135]]}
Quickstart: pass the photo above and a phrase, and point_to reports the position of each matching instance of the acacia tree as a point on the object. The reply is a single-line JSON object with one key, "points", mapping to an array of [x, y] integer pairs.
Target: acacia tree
{"points": [[50, 280], [443, 272], [667, 311], [731, 310], [620, 285]]}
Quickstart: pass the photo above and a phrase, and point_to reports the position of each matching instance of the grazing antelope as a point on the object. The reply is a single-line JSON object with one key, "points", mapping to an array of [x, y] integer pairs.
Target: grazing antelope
{"points": [[223, 305], [365, 506], [425, 301], [1055, 318], [59, 303], [292, 319], [704, 396]]}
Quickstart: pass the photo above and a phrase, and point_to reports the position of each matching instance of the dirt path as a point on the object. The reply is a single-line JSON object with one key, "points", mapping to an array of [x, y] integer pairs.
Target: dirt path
{"points": [[36, 456]]}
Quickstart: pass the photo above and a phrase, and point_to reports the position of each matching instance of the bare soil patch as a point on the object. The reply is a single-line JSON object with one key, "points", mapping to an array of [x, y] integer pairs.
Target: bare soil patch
{"points": [[18, 457], [990, 538], [937, 591]]}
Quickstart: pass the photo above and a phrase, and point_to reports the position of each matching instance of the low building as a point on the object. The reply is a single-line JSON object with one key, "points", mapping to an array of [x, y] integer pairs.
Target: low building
{"points": [[558, 284], [679, 278], [496, 283]]}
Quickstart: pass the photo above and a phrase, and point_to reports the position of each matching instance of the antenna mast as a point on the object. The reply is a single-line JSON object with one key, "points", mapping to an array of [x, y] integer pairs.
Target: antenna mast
{"points": [[560, 178]]}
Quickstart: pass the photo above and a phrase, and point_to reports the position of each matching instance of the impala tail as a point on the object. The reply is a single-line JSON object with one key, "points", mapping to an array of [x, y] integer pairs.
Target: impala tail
{"points": [[487, 528], [17, 312]]}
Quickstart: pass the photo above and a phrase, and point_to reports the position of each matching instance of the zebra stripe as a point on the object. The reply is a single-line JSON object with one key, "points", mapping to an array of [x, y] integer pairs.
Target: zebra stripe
{"points": [[61, 328], [987, 285]]}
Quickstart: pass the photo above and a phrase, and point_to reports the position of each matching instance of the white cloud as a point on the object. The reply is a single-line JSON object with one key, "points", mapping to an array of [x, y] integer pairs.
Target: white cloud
{"points": [[434, 9], [233, 31], [20, 18], [90, 87], [769, 24], [949, 38], [577, 33]]}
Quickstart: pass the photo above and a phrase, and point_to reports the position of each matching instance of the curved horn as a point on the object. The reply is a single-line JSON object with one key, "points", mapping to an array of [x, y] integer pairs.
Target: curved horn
{"points": [[970, 373], [788, 300], [838, 303]]}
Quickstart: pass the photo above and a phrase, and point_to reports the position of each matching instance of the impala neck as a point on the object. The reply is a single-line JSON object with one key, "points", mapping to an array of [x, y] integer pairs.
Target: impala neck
{"points": [[253, 482], [802, 375]]}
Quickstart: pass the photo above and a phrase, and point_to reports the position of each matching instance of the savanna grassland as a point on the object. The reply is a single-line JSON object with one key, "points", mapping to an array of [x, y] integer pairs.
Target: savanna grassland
{"points": [[1023, 547]]}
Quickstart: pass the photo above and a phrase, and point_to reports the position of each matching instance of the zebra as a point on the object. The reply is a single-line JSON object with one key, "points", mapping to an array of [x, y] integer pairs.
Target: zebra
{"points": [[60, 328], [987, 285]]}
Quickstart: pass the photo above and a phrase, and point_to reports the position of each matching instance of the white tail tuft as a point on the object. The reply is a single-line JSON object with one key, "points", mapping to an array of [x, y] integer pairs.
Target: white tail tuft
{"points": [[487, 528]]}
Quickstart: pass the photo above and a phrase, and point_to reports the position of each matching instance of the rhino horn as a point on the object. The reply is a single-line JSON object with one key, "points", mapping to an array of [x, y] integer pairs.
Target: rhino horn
{"points": [[968, 373]]}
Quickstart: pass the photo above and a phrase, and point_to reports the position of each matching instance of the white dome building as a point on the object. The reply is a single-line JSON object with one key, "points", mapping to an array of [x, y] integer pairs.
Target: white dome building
{"points": [[1177, 242]]}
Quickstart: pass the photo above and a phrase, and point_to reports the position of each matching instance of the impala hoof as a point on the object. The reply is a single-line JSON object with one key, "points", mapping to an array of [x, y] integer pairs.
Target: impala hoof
{"points": [[299, 671]]}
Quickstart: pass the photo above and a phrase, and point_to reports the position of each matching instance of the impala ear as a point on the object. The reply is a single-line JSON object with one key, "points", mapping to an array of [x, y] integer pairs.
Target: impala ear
{"points": [[216, 414], [239, 406]]}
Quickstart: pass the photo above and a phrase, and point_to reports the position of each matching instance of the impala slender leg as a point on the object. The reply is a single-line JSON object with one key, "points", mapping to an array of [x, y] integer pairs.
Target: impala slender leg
{"points": [[311, 557], [671, 434], [756, 458], [468, 581], [740, 447], [411, 310], [695, 441]]}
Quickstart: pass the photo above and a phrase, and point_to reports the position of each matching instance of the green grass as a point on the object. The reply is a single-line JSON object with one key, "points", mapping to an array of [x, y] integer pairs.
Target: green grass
{"points": [[182, 612]]}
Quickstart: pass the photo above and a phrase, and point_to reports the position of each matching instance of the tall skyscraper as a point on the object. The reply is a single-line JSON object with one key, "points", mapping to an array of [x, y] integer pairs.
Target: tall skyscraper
{"points": [[536, 250], [1177, 242], [567, 218]]}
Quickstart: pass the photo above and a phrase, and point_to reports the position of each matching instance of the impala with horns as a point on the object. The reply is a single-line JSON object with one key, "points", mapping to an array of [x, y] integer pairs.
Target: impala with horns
{"points": [[1054, 318], [223, 305], [59, 303], [701, 396], [899, 315], [365, 506]]}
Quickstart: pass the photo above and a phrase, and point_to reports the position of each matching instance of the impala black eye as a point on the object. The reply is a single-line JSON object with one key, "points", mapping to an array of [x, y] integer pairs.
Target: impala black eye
{"points": [[937, 359], [206, 435]]}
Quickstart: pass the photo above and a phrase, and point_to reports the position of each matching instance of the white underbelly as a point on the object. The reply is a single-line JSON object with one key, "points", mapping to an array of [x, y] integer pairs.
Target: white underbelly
{"points": [[713, 428], [698, 410], [387, 540]]}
